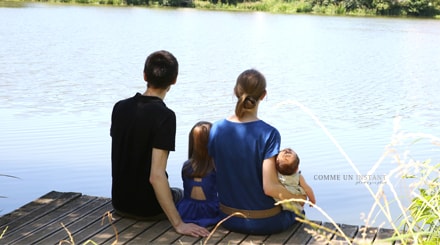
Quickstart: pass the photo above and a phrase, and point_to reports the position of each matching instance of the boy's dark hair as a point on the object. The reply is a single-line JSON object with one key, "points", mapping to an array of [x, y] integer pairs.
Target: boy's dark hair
{"points": [[161, 69]]}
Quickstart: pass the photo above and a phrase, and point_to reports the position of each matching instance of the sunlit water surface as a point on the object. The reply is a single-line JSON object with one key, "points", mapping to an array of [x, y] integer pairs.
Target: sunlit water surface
{"points": [[63, 67]]}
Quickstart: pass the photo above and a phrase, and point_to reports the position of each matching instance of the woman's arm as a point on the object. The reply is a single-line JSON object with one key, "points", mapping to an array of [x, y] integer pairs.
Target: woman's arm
{"points": [[272, 186]]}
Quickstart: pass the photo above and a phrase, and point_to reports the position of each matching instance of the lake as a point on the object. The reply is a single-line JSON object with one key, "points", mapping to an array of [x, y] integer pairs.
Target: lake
{"points": [[339, 88]]}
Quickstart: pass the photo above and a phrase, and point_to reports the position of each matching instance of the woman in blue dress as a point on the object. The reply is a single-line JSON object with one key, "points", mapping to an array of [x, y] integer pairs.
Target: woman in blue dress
{"points": [[200, 203], [244, 150]]}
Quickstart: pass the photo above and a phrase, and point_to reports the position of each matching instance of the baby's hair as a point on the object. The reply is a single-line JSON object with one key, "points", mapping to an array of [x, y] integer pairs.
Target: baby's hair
{"points": [[200, 161], [288, 168]]}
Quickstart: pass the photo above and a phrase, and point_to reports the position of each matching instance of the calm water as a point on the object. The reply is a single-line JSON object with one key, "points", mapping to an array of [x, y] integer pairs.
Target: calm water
{"points": [[63, 67]]}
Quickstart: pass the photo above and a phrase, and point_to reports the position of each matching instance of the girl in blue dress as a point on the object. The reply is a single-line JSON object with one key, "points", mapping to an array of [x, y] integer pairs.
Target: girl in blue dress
{"points": [[200, 203]]}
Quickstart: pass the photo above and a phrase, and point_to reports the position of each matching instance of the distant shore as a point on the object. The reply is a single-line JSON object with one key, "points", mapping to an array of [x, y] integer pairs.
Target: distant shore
{"points": [[390, 8]]}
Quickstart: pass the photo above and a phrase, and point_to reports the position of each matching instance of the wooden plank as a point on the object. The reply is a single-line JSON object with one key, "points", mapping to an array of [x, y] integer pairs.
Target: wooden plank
{"points": [[233, 238], [39, 222], [324, 234], [45, 225], [15, 227], [254, 239], [23, 211], [125, 236], [170, 236], [350, 232], [283, 237], [88, 225], [383, 234], [216, 235], [365, 235], [187, 240], [110, 232], [76, 220], [99, 224], [149, 235], [301, 236]]}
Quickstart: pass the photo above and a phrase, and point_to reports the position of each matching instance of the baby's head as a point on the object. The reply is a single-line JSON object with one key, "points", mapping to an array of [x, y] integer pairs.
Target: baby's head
{"points": [[287, 162]]}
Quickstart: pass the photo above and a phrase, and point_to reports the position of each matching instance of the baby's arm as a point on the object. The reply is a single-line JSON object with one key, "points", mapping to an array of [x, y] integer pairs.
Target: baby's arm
{"points": [[307, 189]]}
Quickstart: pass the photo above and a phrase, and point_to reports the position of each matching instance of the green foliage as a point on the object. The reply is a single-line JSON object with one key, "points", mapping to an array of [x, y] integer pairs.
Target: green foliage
{"points": [[351, 5], [423, 219], [137, 2], [386, 7], [330, 7], [340, 9], [304, 7], [418, 7], [427, 8], [175, 3]]}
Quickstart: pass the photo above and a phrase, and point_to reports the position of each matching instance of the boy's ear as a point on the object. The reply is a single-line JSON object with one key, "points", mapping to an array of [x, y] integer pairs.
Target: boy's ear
{"points": [[145, 77]]}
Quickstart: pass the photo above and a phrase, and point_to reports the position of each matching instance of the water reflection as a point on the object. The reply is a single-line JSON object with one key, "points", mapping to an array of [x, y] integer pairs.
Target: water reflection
{"points": [[63, 67]]}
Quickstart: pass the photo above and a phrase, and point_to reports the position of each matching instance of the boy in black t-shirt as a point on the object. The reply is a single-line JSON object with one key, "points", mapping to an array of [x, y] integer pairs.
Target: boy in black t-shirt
{"points": [[143, 133]]}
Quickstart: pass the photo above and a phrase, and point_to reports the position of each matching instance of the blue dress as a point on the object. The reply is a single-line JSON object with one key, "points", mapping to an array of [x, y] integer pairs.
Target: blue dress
{"points": [[239, 150], [201, 212]]}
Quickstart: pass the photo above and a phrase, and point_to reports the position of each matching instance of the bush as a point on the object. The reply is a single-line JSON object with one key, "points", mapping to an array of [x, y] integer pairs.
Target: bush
{"points": [[137, 2], [418, 7], [422, 219], [304, 7]]}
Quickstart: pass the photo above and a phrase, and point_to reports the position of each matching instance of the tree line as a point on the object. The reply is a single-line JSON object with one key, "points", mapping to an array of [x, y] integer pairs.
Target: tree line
{"points": [[413, 8]]}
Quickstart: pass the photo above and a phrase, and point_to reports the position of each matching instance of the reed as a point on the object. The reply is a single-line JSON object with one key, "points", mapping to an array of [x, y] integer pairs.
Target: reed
{"points": [[419, 221], [3, 232], [106, 215]]}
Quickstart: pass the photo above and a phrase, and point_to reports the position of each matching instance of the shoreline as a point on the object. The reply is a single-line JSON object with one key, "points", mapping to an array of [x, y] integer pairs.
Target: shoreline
{"points": [[265, 6]]}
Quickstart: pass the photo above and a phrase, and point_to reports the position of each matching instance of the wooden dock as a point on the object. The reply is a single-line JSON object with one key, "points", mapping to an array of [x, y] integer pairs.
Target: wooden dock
{"points": [[73, 218]]}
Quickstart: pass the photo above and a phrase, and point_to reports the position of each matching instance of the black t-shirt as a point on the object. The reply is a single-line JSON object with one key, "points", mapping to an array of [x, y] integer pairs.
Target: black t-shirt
{"points": [[139, 124]]}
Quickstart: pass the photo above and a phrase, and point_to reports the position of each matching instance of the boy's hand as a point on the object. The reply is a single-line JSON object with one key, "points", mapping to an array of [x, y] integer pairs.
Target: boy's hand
{"points": [[192, 230]]}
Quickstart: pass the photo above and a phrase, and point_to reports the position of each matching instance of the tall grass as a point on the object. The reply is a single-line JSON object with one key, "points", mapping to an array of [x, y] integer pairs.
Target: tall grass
{"points": [[106, 216], [3, 232], [419, 221]]}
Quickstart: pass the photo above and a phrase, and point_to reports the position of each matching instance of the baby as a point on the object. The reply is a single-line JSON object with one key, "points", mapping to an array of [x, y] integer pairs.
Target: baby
{"points": [[287, 163]]}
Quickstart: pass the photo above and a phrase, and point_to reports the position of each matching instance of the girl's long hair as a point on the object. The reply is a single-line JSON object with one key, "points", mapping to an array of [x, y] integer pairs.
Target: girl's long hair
{"points": [[199, 160]]}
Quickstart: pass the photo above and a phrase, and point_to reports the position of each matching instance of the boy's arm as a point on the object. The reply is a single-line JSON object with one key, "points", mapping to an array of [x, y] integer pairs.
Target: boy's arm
{"points": [[159, 181], [307, 189]]}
